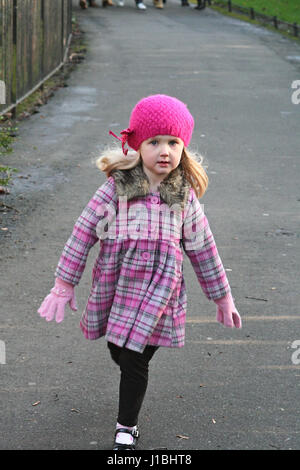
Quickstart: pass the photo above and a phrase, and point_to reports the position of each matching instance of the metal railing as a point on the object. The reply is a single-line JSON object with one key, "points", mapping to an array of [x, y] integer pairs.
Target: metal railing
{"points": [[34, 40], [291, 28]]}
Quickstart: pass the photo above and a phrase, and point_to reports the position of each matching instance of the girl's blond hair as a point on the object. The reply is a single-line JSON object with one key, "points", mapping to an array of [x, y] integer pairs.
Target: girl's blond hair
{"points": [[194, 171], [191, 163]]}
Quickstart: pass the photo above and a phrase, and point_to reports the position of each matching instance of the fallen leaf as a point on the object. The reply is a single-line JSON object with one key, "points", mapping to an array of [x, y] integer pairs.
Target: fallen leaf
{"points": [[36, 403], [181, 436], [214, 421], [74, 410]]}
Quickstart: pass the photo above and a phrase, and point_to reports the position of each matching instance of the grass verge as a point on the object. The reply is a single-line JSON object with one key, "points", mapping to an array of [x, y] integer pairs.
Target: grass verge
{"points": [[269, 8]]}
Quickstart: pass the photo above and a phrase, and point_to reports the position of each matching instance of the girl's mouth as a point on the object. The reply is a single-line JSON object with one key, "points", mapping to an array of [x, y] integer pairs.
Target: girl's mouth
{"points": [[163, 163]]}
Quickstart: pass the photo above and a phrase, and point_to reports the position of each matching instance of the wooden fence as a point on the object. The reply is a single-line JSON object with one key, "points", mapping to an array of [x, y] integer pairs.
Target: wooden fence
{"points": [[34, 39]]}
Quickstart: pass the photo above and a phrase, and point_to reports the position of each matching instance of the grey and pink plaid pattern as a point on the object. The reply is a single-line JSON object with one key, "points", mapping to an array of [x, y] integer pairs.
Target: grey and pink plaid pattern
{"points": [[138, 294]]}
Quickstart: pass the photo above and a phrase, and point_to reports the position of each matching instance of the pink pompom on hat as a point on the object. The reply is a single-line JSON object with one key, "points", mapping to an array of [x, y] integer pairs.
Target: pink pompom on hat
{"points": [[157, 115]]}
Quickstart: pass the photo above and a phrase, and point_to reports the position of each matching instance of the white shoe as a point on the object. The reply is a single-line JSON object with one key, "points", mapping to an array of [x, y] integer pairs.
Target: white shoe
{"points": [[121, 3], [141, 6]]}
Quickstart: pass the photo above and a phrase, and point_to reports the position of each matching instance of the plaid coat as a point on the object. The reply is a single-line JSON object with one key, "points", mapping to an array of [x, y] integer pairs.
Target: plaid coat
{"points": [[138, 294]]}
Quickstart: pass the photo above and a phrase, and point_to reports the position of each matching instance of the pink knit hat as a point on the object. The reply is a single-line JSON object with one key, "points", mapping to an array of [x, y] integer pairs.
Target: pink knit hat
{"points": [[157, 115]]}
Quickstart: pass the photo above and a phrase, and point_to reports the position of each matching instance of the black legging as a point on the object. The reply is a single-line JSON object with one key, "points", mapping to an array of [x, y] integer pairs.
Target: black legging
{"points": [[134, 368]]}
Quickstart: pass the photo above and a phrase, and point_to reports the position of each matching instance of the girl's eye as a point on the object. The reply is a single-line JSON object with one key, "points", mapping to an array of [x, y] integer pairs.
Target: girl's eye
{"points": [[153, 142], [173, 142]]}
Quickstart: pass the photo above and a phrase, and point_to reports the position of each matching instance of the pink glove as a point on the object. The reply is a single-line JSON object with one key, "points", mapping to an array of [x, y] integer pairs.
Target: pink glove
{"points": [[227, 312], [55, 302]]}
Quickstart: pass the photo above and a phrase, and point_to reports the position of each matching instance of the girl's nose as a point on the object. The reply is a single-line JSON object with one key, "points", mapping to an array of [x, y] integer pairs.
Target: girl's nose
{"points": [[164, 150]]}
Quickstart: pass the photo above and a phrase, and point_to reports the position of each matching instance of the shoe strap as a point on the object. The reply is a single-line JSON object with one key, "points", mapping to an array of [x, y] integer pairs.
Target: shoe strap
{"points": [[133, 432]]}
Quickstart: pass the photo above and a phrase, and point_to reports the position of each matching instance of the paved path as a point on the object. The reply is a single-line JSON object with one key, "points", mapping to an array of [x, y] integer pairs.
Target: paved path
{"points": [[226, 389]]}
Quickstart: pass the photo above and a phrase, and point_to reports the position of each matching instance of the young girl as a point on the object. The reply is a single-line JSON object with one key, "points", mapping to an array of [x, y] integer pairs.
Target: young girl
{"points": [[144, 215]]}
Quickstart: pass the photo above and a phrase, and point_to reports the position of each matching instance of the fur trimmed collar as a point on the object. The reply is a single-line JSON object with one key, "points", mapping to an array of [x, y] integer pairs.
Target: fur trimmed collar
{"points": [[174, 189]]}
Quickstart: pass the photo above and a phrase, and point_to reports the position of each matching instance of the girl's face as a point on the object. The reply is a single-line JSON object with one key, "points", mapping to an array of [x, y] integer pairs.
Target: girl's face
{"points": [[161, 154]]}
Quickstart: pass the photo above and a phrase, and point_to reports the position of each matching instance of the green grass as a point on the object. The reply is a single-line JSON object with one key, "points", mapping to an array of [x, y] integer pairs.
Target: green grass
{"points": [[6, 140], [285, 10]]}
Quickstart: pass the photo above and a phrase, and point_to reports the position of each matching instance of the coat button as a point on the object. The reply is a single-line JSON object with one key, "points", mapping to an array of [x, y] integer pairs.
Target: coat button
{"points": [[154, 199], [146, 255]]}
